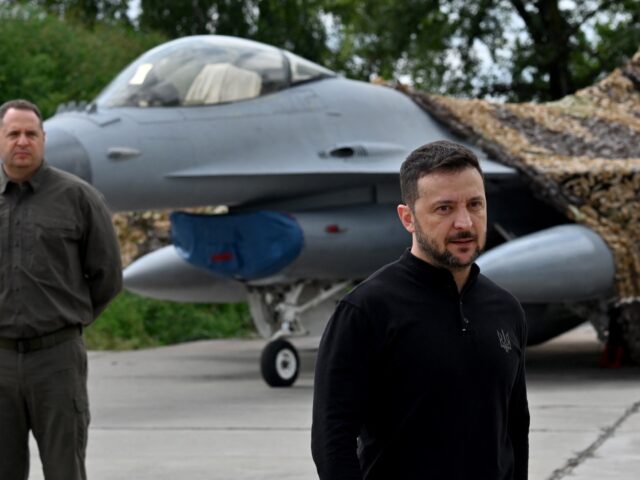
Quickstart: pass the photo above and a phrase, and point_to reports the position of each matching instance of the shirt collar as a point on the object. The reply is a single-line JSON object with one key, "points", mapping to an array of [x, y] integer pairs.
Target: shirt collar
{"points": [[4, 180], [437, 276], [34, 182]]}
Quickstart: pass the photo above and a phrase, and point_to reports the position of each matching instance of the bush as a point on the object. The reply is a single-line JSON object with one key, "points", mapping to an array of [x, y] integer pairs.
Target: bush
{"points": [[50, 61], [132, 322]]}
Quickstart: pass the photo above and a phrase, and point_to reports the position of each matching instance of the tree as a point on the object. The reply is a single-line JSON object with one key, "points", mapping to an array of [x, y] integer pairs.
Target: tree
{"points": [[50, 61], [292, 24], [536, 49], [389, 39], [87, 12], [513, 49], [562, 47]]}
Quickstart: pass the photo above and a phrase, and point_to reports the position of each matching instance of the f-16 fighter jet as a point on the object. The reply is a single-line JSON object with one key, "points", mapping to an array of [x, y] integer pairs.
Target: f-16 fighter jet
{"points": [[302, 166]]}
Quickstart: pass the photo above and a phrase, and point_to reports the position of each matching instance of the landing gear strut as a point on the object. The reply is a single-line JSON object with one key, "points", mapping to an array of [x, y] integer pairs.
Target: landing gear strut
{"points": [[278, 312]]}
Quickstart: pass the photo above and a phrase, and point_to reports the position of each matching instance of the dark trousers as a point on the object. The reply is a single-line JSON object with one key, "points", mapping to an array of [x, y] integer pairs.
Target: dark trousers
{"points": [[44, 391]]}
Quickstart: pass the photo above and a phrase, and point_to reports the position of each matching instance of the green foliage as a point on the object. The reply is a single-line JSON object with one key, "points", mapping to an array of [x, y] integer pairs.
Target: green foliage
{"points": [[538, 50], [87, 12], [295, 25], [132, 322], [547, 49], [388, 38], [50, 61]]}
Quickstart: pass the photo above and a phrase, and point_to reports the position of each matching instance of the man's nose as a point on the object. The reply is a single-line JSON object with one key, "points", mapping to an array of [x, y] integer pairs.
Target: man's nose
{"points": [[22, 140], [463, 219]]}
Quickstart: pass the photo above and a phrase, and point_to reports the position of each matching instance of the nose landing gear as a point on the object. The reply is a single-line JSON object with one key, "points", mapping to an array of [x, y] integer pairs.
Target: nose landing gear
{"points": [[280, 314]]}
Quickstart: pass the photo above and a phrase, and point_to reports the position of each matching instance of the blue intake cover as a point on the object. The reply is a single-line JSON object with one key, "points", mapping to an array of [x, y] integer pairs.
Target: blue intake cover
{"points": [[244, 246]]}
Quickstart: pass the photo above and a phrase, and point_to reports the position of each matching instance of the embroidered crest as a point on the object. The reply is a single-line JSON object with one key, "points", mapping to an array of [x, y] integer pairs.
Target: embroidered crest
{"points": [[505, 340]]}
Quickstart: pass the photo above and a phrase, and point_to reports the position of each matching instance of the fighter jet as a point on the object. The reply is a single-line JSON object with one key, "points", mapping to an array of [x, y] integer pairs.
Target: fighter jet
{"points": [[304, 164]]}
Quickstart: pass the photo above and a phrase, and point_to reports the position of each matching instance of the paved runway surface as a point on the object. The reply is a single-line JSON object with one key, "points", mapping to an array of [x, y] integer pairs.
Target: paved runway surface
{"points": [[200, 411]]}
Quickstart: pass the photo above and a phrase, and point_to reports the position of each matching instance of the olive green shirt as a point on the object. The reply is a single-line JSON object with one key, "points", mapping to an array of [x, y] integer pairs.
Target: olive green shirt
{"points": [[59, 255]]}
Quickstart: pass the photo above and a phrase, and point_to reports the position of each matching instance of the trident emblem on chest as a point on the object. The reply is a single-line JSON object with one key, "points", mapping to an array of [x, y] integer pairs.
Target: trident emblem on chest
{"points": [[505, 340]]}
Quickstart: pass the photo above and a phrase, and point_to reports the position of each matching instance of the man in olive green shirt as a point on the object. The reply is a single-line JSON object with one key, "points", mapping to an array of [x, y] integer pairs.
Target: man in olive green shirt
{"points": [[59, 268]]}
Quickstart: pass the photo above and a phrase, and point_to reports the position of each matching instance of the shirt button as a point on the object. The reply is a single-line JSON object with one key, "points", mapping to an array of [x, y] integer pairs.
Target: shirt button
{"points": [[466, 320]]}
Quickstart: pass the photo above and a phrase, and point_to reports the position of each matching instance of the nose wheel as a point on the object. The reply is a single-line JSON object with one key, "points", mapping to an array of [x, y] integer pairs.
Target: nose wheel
{"points": [[279, 363]]}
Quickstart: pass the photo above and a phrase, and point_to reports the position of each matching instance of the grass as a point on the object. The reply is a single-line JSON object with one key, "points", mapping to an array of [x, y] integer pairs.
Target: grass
{"points": [[132, 322]]}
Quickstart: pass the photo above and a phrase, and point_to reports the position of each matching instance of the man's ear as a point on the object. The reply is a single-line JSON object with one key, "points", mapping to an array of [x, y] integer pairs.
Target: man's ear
{"points": [[406, 217]]}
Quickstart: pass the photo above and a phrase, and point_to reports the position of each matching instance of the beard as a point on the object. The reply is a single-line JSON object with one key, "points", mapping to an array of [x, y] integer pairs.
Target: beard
{"points": [[443, 257]]}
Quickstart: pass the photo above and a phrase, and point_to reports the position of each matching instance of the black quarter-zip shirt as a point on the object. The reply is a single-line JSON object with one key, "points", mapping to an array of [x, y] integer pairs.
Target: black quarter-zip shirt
{"points": [[416, 380]]}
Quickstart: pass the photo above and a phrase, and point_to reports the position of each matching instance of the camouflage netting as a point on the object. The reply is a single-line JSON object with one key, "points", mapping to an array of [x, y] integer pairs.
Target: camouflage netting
{"points": [[581, 153], [140, 233]]}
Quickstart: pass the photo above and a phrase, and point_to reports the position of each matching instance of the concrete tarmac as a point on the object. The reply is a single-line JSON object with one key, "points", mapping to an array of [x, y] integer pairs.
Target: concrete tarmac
{"points": [[201, 411]]}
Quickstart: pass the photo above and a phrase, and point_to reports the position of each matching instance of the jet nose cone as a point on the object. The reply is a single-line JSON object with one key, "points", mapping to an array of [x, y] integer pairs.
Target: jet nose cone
{"points": [[64, 151]]}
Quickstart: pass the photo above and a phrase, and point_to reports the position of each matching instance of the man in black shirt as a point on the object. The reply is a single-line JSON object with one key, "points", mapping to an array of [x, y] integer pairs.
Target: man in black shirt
{"points": [[420, 373]]}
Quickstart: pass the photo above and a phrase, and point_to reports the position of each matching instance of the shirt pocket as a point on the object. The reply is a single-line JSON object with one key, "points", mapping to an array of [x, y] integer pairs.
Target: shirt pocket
{"points": [[55, 244]]}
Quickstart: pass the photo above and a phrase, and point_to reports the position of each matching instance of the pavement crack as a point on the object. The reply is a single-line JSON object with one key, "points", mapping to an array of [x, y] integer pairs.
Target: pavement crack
{"points": [[588, 452]]}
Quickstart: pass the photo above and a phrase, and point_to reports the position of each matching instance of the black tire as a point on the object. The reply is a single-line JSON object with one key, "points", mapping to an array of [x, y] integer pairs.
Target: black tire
{"points": [[279, 363]]}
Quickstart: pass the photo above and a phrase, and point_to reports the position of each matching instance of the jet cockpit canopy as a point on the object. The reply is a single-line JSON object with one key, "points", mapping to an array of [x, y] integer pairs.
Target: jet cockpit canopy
{"points": [[207, 70]]}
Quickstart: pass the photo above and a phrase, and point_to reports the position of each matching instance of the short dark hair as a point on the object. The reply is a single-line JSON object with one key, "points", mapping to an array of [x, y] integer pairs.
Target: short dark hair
{"points": [[440, 156], [19, 104]]}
